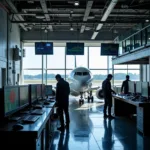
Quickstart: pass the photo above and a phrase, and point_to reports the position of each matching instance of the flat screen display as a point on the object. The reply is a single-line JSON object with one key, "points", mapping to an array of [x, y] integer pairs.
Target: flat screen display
{"points": [[33, 93], [39, 92], [138, 87], [48, 90], [145, 88], [24, 95], [75, 48], [11, 99], [109, 49], [44, 48], [131, 86], [43, 90]]}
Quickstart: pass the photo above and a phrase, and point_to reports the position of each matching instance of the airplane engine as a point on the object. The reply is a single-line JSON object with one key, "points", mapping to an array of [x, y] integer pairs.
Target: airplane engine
{"points": [[99, 93]]}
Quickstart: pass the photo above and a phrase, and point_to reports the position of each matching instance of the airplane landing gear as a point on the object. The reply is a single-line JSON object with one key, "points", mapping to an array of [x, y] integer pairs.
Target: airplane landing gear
{"points": [[81, 100], [90, 97]]}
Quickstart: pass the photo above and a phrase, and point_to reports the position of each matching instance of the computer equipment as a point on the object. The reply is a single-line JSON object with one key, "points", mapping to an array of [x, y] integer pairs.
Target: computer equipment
{"points": [[9, 102], [109, 49], [46, 103], [37, 112], [32, 93], [145, 89], [14, 118], [44, 48], [39, 91], [30, 119], [43, 90], [138, 87], [48, 90], [74, 48], [37, 106], [131, 87], [17, 126], [23, 96]]}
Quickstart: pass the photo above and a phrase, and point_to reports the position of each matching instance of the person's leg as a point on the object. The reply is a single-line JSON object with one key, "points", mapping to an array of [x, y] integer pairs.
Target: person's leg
{"points": [[61, 117], [105, 107], [66, 110]]}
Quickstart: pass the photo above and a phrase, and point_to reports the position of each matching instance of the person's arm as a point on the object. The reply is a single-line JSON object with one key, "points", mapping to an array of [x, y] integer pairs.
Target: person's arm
{"points": [[57, 91], [122, 86]]}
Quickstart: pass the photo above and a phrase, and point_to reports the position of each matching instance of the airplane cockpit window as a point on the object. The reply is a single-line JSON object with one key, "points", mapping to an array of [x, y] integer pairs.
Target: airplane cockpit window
{"points": [[85, 73], [78, 73]]}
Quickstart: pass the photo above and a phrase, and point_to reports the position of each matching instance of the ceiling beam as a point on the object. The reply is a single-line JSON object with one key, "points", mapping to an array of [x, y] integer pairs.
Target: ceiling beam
{"points": [[80, 22], [17, 17], [45, 10]]}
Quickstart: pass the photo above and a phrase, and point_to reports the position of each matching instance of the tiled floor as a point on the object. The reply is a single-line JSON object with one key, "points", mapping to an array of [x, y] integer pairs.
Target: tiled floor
{"points": [[89, 131]]}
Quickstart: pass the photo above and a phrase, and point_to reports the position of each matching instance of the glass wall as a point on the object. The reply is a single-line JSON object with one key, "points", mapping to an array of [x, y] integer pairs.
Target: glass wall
{"points": [[42, 69]]}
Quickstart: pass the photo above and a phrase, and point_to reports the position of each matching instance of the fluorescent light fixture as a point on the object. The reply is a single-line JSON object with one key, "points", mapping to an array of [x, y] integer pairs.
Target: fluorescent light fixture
{"points": [[76, 3], [71, 29], [146, 20], [149, 38], [99, 26], [45, 31], [82, 28], [109, 9], [94, 35]]}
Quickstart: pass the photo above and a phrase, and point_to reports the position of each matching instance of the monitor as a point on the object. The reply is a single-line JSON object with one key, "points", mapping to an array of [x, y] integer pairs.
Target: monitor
{"points": [[145, 89], [33, 93], [48, 90], [75, 48], [39, 90], [44, 48], [109, 49], [24, 95], [11, 100], [138, 87], [43, 90], [131, 87]]}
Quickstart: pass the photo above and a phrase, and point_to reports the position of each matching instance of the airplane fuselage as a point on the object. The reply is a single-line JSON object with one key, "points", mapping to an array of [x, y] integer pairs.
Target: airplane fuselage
{"points": [[80, 80]]}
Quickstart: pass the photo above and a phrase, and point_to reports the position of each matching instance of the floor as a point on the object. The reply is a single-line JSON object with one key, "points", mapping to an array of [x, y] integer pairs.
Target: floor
{"points": [[89, 131]]}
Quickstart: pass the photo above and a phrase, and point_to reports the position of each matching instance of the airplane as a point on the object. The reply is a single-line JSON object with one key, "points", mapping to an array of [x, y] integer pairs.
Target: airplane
{"points": [[80, 81]]}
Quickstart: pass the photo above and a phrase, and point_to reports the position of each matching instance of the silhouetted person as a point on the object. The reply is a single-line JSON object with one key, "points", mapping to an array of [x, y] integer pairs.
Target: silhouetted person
{"points": [[125, 86], [107, 92], [107, 141], [62, 99]]}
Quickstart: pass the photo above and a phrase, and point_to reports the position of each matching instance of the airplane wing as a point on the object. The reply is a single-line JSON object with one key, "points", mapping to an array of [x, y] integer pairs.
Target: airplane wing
{"points": [[93, 88]]}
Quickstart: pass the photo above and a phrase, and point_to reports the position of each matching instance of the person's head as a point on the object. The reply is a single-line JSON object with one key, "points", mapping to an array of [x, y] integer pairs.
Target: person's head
{"points": [[58, 77], [127, 77], [109, 76]]}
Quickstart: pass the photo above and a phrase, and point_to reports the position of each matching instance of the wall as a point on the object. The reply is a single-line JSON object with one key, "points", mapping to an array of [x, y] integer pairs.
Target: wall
{"points": [[9, 37]]}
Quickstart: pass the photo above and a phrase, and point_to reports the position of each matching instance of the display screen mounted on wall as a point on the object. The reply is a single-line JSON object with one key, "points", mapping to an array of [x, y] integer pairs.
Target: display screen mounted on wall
{"points": [[110, 49], [75, 48], [44, 48]]}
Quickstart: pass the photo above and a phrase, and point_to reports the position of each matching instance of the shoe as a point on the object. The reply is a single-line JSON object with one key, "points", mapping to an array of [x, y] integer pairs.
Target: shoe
{"points": [[61, 129], [111, 117], [105, 116]]}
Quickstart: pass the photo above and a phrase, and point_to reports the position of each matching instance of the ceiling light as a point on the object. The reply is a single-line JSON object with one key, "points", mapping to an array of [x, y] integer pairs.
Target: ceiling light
{"points": [[149, 38], [146, 20], [94, 35], [45, 31], [71, 29], [30, 2], [40, 16], [76, 3], [99, 26]]}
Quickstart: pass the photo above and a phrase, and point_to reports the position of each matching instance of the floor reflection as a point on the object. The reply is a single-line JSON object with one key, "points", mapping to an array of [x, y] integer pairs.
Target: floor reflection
{"points": [[107, 140]]}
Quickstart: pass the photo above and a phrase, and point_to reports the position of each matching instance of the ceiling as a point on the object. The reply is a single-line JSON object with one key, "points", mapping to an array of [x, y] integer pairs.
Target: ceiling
{"points": [[90, 16]]}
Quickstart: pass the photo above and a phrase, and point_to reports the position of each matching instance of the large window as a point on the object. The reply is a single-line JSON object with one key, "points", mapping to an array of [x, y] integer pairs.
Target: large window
{"points": [[96, 61], [31, 60], [42, 69], [57, 60]]}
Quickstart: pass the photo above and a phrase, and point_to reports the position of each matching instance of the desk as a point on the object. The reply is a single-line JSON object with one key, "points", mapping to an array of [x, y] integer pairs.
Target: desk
{"points": [[33, 136], [125, 107]]}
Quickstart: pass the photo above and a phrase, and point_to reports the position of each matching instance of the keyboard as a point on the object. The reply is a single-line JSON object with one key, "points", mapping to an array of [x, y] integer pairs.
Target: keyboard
{"points": [[15, 118], [31, 119], [37, 112]]}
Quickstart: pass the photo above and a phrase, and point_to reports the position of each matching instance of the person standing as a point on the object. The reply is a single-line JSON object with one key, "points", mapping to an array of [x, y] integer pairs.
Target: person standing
{"points": [[125, 86], [107, 93], [62, 100]]}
